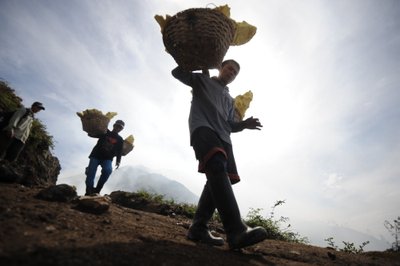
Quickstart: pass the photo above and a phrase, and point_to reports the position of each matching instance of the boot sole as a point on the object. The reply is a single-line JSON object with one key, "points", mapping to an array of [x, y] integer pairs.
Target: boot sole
{"points": [[207, 242], [205, 239], [249, 241]]}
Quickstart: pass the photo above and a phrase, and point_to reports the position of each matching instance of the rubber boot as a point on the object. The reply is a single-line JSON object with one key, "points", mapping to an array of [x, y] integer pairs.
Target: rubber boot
{"points": [[238, 234], [97, 189], [199, 231], [89, 191]]}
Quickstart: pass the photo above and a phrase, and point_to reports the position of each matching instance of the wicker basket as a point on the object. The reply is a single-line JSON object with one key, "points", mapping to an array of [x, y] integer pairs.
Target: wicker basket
{"points": [[198, 38], [95, 124], [126, 148]]}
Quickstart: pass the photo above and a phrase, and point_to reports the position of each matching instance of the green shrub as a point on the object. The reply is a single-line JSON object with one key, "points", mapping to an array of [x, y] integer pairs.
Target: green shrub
{"points": [[348, 247], [185, 209], [8, 100], [39, 139], [253, 218], [150, 196], [274, 226], [394, 229]]}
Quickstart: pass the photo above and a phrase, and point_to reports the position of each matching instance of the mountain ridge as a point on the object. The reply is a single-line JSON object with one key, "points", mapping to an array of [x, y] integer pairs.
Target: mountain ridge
{"points": [[134, 178]]}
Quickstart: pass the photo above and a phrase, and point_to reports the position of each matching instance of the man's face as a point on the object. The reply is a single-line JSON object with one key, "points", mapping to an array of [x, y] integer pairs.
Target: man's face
{"points": [[117, 128], [36, 109], [228, 73]]}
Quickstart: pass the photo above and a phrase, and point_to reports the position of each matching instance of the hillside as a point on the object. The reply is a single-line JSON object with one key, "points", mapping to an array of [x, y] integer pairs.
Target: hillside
{"points": [[39, 232], [36, 164]]}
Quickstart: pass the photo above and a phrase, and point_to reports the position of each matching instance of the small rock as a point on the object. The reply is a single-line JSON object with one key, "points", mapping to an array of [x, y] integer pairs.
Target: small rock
{"points": [[295, 252], [331, 255], [96, 204], [50, 228], [62, 193]]}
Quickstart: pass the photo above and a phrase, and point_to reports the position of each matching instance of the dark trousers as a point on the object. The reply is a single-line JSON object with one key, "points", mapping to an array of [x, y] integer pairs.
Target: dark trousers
{"points": [[10, 148]]}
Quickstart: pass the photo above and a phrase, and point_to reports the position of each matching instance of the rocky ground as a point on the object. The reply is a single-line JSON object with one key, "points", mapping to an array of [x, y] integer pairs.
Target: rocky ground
{"points": [[39, 232]]}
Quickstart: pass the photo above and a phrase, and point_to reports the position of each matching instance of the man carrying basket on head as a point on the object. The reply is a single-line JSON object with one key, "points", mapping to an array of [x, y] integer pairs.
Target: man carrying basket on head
{"points": [[108, 146], [211, 122]]}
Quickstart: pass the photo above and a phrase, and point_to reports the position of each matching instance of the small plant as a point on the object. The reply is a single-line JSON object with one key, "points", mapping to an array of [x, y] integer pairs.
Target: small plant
{"points": [[394, 229], [150, 196], [185, 209], [273, 226], [39, 139], [331, 243], [348, 247], [8, 100]]}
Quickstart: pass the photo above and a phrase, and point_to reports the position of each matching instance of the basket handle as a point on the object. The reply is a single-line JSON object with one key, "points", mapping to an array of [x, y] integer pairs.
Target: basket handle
{"points": [[211, 4]]}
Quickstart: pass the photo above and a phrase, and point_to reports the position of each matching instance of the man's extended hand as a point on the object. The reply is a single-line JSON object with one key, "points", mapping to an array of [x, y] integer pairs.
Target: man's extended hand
{"points": [[252, 123]]}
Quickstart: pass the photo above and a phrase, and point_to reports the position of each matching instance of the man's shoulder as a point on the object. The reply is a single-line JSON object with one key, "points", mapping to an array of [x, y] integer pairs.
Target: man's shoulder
{"points": [[20, 110], [115, 135]]}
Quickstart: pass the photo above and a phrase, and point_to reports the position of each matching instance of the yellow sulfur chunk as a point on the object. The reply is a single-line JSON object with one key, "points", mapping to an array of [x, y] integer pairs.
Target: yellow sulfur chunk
{"points": [[110, 115], [130, 139], [242, 103], [225, 9], [96, 113], [92, 112], [244, 33], [162, 21]]}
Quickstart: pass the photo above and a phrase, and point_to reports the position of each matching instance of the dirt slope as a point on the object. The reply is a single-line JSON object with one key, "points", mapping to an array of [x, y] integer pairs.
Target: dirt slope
{"points": [[38, 232]]}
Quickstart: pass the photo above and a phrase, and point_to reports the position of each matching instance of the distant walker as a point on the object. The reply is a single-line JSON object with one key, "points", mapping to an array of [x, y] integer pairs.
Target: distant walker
{"points": [[108, 146], [14, 135]]}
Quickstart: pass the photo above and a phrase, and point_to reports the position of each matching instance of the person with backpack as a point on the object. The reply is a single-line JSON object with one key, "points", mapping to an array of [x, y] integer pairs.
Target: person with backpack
{"points": [[15, 133], [107, 147]]}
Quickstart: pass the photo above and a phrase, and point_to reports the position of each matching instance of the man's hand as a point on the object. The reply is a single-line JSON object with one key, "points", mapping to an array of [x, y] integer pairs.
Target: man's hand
{"points": [[252, 123], [117, 165], [206, 72]]}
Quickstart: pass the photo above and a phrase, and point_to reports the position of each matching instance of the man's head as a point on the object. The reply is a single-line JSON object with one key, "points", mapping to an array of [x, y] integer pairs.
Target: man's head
{"points": [[228, 71], [118, 126], [37, 106]]}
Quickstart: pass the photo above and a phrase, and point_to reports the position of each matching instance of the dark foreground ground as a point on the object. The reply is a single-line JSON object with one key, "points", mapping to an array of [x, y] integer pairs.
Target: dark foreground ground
{"points": [[38, 232]]}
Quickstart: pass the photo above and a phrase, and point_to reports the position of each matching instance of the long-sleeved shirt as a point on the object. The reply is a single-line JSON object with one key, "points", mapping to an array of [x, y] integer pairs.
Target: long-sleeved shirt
{"points": [[21, 124], [108, 146], [212, 105]]}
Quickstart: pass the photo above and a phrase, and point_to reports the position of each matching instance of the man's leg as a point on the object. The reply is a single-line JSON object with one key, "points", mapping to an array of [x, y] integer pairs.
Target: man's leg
{"points": [[238, 234], [90, 175], [198, 231], [14, 150], [5, 142], [106, 170]]}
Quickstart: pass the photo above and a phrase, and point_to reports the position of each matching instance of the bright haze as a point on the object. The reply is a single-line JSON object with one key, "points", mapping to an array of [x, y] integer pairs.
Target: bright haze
{"points": [[325, 79]]}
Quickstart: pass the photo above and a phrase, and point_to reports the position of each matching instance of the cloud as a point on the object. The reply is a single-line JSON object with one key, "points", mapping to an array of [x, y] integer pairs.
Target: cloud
{"points": [[333, 181]]}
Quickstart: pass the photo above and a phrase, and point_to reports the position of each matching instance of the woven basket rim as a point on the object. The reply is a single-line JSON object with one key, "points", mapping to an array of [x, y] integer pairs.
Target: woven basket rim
{"points": [[198, 38]]}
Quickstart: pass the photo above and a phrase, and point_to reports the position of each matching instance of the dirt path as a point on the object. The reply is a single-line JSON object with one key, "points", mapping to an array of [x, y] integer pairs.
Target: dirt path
{"points": [[38, 232]]}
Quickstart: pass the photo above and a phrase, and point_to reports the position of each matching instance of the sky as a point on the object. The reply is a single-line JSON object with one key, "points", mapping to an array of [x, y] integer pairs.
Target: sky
{"points": [[324, 75]]}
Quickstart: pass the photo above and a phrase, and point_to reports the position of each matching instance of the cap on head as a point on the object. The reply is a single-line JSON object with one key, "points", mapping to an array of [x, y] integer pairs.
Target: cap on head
{"points": [[120, 123], [38, 105]]}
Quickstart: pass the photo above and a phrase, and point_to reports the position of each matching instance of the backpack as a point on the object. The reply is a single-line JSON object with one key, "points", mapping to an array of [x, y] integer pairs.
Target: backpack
{"points": [[5, 117]]}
